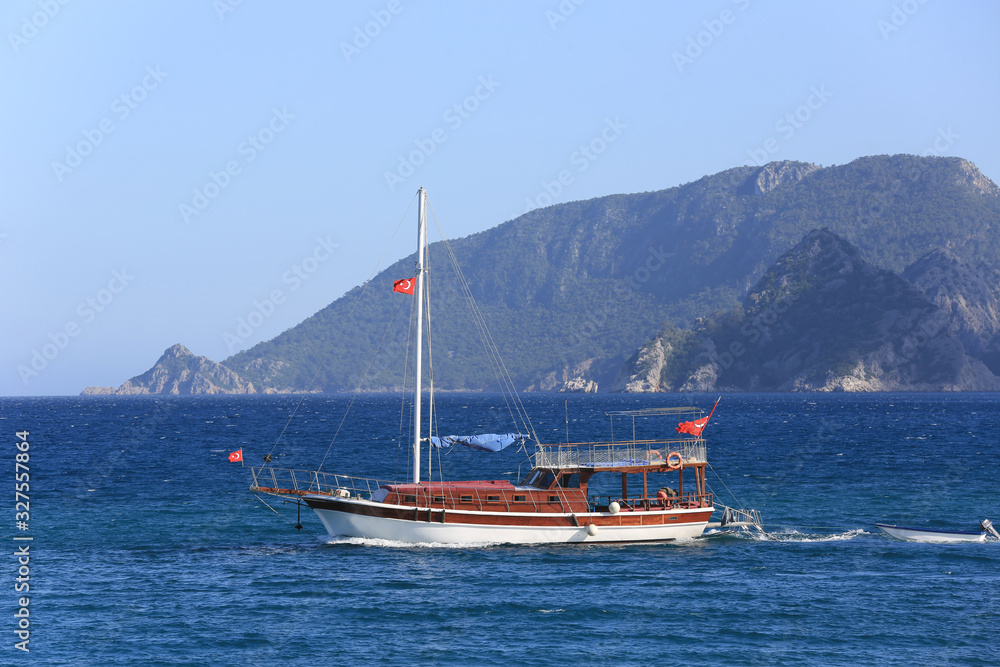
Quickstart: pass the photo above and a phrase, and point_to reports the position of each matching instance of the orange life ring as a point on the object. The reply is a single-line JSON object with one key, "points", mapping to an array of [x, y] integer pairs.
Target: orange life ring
{"points": [[680, 461], [654, 456]]}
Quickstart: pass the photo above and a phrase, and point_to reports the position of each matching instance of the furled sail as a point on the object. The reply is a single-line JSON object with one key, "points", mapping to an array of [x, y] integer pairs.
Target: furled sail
{"points": [[487, 442]]}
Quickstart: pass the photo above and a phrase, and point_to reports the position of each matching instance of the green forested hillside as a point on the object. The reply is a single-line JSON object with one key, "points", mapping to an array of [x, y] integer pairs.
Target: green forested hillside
{"points": [[573, 290]]}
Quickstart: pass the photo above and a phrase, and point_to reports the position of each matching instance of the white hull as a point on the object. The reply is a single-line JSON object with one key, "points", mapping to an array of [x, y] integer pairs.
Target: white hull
{"points": [[347, 524], [925, 535]]}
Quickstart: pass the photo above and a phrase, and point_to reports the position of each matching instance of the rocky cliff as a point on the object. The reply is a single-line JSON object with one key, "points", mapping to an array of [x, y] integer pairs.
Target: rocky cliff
{"points": [[969, 296], [824, 319], [775, 174], [178, 371]]}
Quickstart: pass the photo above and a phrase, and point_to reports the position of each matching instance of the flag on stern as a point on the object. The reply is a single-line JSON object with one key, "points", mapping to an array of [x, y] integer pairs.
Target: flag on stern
{"points": [[405, 286], [698, 425], [236, 456]]}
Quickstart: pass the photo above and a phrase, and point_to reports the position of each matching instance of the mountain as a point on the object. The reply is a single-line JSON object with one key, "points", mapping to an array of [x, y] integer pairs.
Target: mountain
{"points": [[178, 371], [571, 291], [970, 296], [824, 319]]}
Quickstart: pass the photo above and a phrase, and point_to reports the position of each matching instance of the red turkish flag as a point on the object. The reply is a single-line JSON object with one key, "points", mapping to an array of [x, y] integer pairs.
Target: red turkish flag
{"points": [[236, 456], [405, 286], [694, 428], [698, 425]]}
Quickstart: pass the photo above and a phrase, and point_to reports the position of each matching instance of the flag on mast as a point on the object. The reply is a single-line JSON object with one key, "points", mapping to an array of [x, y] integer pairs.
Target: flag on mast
{"points": [[236, 456], [405, 286], [698, 425]]}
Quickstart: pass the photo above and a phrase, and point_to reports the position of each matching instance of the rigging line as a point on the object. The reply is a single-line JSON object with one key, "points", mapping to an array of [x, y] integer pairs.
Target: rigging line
{"points": [[347, 321], [357, 390], [430, 376], [431, 412], [489, 344], [477, 319], [724, 485], [504, 378], [432, 415], [285, 517], [402, 399], [432, 425], [430, 365]]}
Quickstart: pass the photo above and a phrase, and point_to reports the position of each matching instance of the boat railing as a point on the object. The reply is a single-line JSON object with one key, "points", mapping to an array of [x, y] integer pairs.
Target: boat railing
{"points": [[299, 482], [620, 454], [645, 503], [740, 518]]}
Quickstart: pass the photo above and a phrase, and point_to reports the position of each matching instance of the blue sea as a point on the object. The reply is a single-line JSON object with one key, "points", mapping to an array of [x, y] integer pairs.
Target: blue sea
{"points": [[148, 548]]}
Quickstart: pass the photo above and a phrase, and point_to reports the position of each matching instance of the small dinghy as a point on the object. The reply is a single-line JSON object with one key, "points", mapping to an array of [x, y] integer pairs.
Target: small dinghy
{"points": [[934, 535]]}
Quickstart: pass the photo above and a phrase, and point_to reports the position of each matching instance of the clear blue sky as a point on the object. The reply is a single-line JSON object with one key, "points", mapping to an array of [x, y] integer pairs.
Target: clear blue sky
{"points": [[167, 165]]}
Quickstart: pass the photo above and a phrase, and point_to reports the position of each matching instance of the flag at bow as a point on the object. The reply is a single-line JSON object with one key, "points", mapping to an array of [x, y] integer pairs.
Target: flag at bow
{"points": [[405, 286], [698, 425], [236, 456]]}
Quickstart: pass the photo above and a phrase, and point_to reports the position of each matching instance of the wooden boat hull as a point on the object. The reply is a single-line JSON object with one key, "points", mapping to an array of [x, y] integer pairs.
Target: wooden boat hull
{"points": [[366, 519], [931, 535]]}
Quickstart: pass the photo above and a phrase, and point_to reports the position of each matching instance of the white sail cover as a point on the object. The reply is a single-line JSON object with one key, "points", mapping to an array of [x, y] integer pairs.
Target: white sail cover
{"points": [[487, 442]]}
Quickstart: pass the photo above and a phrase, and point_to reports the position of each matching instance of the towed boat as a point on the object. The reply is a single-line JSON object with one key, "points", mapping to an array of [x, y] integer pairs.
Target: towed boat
{"points": [[934, 535], [662, 495]]}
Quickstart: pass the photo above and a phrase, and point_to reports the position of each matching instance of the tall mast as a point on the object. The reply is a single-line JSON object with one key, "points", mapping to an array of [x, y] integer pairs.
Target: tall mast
{"points": [[419, 295]]}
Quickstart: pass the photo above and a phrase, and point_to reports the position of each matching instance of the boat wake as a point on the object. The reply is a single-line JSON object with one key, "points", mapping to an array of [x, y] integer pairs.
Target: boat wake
{"points": [[791, 535], [797, 536], [398, 544]]}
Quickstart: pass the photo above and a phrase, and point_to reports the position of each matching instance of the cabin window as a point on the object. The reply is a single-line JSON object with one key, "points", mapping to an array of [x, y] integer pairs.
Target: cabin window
{"points": [[492, 499], [409, 499], [466, 499], [553, 499], [571, 481], [520, 499], [543, 479], [438, 499]]}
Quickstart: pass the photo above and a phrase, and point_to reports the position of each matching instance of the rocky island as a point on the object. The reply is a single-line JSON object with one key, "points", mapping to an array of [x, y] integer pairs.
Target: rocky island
{"points": [[179, 372]]}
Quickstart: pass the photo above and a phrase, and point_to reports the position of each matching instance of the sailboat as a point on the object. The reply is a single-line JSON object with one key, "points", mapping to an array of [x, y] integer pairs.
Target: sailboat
{"points": [[663, 494]]}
